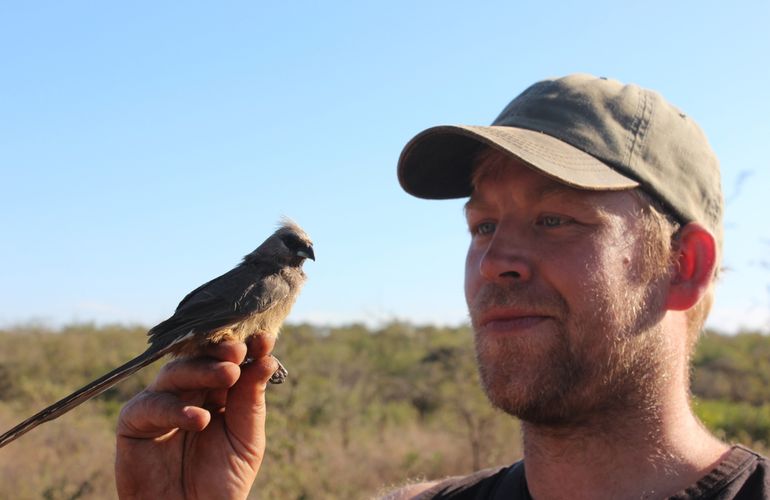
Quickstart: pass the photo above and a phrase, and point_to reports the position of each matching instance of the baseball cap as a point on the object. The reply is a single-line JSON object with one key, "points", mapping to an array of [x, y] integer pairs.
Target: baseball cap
{"points": [[587, 132]]}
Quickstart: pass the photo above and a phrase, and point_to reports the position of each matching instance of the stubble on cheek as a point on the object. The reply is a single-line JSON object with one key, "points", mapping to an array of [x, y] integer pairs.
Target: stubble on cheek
{"points": [[605, 357], [525, 372], [625, 364], [530, 379], [603, 352]]}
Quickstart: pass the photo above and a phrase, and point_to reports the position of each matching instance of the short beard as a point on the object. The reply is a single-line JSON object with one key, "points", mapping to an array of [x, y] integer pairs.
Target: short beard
{"points": [[605, 363]]}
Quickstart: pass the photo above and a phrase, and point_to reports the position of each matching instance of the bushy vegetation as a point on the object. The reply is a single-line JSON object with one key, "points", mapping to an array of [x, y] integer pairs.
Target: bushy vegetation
{"points": [[361, 411]]}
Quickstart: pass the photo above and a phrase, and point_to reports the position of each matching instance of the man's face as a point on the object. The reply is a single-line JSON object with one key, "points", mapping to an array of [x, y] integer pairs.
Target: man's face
{"points": [[565, 324]]}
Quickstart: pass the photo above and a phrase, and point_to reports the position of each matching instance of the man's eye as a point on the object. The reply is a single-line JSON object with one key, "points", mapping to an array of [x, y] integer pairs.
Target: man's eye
{"points": [[552, 221], [485, 228]]}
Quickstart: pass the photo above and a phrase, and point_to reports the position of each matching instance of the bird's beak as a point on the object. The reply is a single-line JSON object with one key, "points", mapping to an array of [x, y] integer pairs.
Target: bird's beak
{"points": [[306, 253]]}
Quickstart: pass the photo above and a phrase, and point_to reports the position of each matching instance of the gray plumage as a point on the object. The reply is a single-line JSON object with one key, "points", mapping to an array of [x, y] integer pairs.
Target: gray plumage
{"points": [[251, 299]]}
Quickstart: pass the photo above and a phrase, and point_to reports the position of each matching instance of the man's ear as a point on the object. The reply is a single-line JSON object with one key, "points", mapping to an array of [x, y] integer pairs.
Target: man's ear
{"points": [[696, 258]]}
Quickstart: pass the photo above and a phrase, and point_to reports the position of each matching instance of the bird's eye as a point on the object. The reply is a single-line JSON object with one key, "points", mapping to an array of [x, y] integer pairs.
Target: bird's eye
{"points": [[291, 241]]}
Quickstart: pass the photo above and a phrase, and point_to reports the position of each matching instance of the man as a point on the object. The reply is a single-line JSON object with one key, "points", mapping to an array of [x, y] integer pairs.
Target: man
{"points": [[595, 218]]}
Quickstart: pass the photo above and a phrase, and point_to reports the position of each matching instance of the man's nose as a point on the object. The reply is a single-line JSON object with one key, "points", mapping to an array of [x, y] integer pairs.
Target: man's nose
{"points": [[506, 259]]}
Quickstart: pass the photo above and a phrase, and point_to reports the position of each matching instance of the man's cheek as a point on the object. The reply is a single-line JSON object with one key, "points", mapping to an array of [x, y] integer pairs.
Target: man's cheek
{"points": [[472, 276]]}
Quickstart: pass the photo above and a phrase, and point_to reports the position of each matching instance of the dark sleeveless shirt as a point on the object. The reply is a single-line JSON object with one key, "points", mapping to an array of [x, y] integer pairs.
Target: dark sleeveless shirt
{"points": [[742, 474]]}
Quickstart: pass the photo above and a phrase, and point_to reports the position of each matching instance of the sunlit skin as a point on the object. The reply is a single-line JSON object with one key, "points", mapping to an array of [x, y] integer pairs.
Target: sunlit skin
{"points": [[572, 338], [198, 431], [553, 284]]}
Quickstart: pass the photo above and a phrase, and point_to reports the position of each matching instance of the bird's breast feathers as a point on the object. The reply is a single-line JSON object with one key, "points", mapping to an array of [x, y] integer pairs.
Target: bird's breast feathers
{"points": [[276, 295]]}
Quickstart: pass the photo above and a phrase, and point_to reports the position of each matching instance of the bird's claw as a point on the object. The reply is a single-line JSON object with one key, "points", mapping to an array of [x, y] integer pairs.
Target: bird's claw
{"points": [[279, 376]]}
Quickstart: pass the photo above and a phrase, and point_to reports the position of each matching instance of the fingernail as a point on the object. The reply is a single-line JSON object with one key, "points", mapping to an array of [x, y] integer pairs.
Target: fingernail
{"points": [[189, 412]]}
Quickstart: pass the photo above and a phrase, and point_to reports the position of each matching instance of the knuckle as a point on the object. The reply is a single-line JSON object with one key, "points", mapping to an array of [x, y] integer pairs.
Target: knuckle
{"points": [[168, 369]]}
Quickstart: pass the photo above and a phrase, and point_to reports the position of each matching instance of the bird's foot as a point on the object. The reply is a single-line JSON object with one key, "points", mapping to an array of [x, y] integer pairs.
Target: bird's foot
{"points": [[279, 377]]}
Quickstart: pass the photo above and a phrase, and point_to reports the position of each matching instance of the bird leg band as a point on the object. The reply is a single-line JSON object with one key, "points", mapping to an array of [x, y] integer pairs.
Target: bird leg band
{"points": [[280, 374]]}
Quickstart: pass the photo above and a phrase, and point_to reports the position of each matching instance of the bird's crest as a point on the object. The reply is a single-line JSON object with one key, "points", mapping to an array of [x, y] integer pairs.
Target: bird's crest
{"points": [[288, 223], [289, 244]]}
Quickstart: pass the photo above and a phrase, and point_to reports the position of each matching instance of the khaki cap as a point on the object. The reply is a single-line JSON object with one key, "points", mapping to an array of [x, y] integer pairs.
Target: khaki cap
{"points": [[586, 132]]}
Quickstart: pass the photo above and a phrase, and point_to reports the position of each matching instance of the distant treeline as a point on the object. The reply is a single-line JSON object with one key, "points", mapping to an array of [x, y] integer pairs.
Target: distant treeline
{"points": [[363, 409]]}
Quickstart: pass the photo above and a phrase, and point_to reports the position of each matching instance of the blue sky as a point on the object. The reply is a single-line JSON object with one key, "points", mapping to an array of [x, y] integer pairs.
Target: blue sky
{"points": [[146, 146]]}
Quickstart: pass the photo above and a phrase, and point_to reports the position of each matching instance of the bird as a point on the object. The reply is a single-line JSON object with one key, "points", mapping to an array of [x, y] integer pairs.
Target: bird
{"points": [[251, 299]]}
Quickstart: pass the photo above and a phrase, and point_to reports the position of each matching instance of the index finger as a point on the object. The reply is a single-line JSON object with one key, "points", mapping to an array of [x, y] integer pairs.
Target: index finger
{"points": [[218, 368], [231, 351]]}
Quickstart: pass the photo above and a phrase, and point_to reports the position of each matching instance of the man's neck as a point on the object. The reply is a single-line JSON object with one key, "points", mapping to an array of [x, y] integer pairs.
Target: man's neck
{"points": [[647, 456]]}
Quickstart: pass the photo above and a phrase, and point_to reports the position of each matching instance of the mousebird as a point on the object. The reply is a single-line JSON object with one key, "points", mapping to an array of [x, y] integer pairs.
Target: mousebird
{"points": [[253, 298]]}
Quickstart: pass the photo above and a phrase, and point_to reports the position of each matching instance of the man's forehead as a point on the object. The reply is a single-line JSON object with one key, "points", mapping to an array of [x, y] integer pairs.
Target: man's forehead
{"points": [[530, 188], [551, 189]]}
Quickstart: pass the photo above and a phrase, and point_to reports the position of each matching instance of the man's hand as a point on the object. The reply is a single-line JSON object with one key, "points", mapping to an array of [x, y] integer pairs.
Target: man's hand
{"points": [[198, 431]]}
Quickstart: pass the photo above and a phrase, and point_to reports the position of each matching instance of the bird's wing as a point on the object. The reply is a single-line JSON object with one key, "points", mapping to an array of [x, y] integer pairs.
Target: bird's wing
{"points": [[226, 300]]}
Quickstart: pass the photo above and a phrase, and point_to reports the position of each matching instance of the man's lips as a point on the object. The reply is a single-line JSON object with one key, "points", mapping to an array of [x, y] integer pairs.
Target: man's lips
{"points": [[511, 320]]}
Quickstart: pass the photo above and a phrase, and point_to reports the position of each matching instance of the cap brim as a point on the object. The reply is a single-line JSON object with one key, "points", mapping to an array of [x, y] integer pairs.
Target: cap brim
{"points": [[438, 162]]}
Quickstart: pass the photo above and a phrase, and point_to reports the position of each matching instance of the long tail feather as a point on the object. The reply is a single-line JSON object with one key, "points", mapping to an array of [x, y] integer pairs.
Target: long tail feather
{"points": [[85, 393]]}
